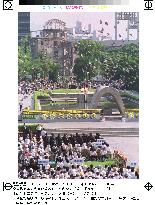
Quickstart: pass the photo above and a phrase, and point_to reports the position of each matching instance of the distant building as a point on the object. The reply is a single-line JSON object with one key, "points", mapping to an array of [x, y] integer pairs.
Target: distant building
{"points": [[94, 34], [89, 28], [23, 25], [133, 23], [112, 44], [52, 40], [78, 27]]}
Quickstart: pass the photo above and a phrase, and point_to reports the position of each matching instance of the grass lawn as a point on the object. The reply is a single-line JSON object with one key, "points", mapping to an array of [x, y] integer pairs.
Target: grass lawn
{"points": [[97, 163], [69, 90], [59, 103], [36, 94], [41, 93]]}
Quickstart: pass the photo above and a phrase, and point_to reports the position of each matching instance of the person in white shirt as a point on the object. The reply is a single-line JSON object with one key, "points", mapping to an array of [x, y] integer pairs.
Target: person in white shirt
{"points": [[27, 140], [48, 149], [43, 132]]}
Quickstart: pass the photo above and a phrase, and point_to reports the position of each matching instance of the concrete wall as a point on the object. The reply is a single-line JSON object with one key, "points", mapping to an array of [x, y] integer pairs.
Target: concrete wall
{"points": [[103, 90], [80, 96]]}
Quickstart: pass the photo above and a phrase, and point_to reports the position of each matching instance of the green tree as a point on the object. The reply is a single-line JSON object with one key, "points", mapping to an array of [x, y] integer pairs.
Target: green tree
{"points": [[42, 66], [54, 71], [119, 66], [24, 58], [122, 66], [46, 67], [87, 65]]}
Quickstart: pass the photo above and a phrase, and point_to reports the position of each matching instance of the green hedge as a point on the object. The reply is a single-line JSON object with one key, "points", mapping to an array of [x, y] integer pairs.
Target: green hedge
{"points": [[69, 90], [39, 94], [32, 127], [124, 94], [130, 105], [35, 101]]}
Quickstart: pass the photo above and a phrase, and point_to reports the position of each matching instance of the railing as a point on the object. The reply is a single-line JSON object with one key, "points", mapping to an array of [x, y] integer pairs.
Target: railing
{"points": [[79, 111]]}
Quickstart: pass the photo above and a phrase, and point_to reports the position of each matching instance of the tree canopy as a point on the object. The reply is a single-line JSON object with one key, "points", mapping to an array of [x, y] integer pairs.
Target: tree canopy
{"points": [[87, 64], [42, 66], [118, 66]]}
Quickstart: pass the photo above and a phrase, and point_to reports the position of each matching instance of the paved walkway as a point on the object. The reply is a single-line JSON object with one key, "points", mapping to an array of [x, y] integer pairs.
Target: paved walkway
{"points": [[92, 125], [129, 146], [27, 101]]}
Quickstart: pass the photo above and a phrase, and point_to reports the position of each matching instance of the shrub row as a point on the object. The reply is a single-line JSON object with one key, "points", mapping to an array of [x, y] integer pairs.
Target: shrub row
{"points": [[32, 127]]}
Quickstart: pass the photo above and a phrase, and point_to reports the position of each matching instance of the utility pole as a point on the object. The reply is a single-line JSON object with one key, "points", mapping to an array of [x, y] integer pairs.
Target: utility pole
{"points": [[115, 26]]}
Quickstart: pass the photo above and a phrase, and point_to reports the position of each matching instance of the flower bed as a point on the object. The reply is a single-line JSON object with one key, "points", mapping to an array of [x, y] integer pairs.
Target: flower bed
{"points": [[132, 113], [55, 115], [79, 111], [120, 157]]}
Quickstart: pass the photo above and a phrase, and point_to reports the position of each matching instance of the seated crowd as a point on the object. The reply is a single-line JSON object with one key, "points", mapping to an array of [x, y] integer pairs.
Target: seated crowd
{"points": [[63, 149]]}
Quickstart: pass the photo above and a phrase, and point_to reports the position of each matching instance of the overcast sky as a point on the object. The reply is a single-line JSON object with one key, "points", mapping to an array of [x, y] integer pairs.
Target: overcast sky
{"points": [[38, 20]]}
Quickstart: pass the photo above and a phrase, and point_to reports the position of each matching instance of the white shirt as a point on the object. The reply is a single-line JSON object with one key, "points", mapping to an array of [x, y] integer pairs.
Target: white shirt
{"points": [[39, 127], [132, 175], [73, 171], [27, 141], [94, 153], [25, 173], [103, 152], [47, 166], [109, 150], [43, 133]]}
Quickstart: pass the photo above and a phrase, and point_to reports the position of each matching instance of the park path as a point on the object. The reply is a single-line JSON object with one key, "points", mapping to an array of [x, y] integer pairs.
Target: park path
{"points": [[129, 146], [93, 125], [27, 101]]}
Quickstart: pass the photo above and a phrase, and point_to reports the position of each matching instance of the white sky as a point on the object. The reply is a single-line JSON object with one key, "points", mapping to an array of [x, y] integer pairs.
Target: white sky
{"points": [[38, 20]]}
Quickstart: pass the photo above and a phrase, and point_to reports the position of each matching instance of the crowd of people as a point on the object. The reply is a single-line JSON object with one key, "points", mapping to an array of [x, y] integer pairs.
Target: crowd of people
{"points": [[26, 88], [29, 86], [56, 156]]}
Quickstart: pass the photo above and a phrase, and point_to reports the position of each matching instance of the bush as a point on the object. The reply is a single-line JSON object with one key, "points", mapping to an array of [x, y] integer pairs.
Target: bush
{"points": [[127, 95], [32, 127]]}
